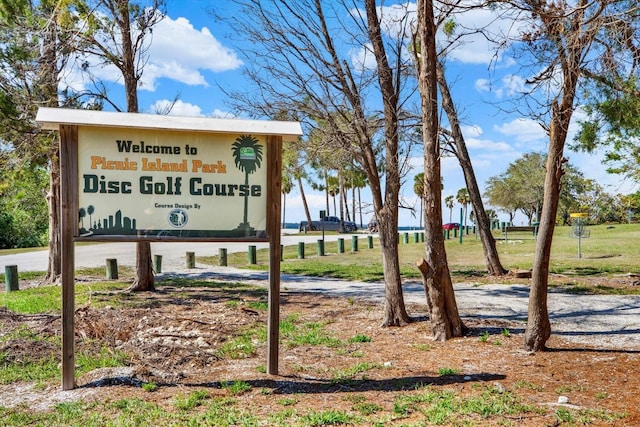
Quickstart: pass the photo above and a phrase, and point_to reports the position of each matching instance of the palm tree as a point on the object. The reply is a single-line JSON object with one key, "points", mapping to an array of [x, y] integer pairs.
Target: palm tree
{"points": [[332, 188], [247, 154], [418, 188], [448, 201], [90, 211], [287, 186], [492, 215], [82, 213], [358, 180], [463, 198]]}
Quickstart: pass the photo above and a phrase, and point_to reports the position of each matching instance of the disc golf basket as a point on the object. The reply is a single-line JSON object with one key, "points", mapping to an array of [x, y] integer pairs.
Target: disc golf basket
{"points": [[579, 228]]}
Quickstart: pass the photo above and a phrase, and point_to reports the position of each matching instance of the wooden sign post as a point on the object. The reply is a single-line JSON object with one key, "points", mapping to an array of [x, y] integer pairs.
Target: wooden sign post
{"points": [[142, 177]]}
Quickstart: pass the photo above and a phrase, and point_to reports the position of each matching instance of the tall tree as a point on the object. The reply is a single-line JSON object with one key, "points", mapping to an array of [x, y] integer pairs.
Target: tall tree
{"points": [[288, 160], [333, 187], [448, 202], [24, 218], [418, 188], [328, 156], [462, 197], [389, 80], [34, 49], [520, 187], [443, 310], [358, 181], [315, 72], [118, 31], [456, 143], [568, 42], [500, 194], [613, 123]]}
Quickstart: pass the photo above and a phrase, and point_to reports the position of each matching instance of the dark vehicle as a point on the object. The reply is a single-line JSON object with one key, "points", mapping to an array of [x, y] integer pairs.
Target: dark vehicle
{"points": [[451, 226], [330, 223]]}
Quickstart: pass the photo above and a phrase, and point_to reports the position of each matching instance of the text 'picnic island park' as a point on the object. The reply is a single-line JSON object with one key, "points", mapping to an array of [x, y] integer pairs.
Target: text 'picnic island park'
{"points": [[150, 188]]}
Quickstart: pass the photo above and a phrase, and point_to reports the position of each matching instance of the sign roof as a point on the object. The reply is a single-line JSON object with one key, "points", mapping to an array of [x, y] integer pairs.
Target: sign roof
{"points": [[52, 118]]}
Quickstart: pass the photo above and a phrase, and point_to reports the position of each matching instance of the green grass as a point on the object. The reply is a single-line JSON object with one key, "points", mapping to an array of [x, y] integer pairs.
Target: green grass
{"points": [[445, 407], [355, 372], [243, 345], [608, 251], [43, 366], [48, 299], [296, 334], [328, 418], [191, 401], [360, 338], [426, 406], [150, 387], [22, 250], [236, 387], [447, 371]]}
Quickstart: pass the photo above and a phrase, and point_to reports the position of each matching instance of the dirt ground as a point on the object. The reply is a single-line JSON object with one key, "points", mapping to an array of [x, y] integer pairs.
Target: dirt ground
{"points": [[172, 338]]}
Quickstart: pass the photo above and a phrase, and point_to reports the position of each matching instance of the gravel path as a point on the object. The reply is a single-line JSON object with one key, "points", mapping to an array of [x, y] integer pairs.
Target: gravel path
{"points": [[605, 321]]}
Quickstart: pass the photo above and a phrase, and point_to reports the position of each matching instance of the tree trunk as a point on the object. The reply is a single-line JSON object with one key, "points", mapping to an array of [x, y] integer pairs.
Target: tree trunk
{"points": [[353, 202], [341, 200], [491, 256], [538, 326], [326, 193], [144, 269], [145, 280], [284, 209], [304, 203], [360, 207], [444, 316], [48, 92], [344, 200], [54, 266], [395, 313], [335, 207], [440, 299], [128, 57]]}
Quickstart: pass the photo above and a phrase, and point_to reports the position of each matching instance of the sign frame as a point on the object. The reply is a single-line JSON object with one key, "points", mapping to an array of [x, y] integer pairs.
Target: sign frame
{"points": [[68, 122]]}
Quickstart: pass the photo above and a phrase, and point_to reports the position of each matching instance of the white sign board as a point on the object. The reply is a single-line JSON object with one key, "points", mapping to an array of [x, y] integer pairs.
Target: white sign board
{"points": [[159, 183]]}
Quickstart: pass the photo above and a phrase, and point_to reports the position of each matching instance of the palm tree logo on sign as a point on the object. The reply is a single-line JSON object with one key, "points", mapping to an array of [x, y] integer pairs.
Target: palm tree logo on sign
{"points": [[247, 154]]}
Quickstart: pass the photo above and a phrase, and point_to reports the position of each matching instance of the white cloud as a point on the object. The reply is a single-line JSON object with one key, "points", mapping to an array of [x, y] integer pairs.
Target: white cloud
{"points": [[222, 114], [179, 108], [177, 39], [363, 59], [474, 47], [180, 52], [471, 131], [487, 145], [177, 51], [483, 85], [398, 20], [522, 130], [509, 85], [512, 84]]}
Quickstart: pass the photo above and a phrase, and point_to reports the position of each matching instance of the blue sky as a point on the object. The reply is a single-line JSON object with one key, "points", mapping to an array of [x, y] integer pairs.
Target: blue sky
{"points": [[191, 56]]}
